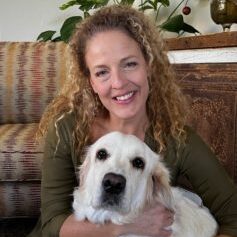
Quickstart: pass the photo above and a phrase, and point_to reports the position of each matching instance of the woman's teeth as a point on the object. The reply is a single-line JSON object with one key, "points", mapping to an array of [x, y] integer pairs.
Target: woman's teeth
{"points": [[125, 97]]}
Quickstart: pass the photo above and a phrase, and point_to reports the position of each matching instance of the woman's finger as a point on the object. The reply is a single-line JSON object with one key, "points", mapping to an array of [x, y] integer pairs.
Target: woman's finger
{"points": [[165, 232]]}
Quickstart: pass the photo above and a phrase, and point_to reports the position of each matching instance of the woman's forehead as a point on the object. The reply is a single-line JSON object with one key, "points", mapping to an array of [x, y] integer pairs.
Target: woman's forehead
{"points": [[112, 44]]}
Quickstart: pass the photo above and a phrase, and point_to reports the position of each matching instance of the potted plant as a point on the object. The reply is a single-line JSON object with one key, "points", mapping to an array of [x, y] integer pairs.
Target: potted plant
{"points": [[173, 23]]}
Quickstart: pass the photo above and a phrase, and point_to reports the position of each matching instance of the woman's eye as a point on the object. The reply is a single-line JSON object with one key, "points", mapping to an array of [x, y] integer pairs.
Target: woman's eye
{"points": [[131, 64], [101, 73]]}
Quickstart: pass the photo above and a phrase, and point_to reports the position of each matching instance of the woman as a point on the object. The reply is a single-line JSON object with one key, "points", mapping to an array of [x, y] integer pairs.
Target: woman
{"points": [[120, 79]]}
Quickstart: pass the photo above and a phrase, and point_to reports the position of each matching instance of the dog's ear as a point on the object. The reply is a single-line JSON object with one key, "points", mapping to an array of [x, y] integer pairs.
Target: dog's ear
{"points": [[84, 167], [161, 186]]}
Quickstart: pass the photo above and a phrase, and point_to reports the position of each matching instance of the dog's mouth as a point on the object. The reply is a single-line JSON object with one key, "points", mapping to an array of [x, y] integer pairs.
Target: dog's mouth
{"points": [[111, 201], [113, 189]]}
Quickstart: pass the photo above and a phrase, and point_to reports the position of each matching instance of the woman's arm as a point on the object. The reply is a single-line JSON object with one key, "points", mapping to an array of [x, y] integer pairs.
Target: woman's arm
{"points": [[58, 178], [151, 223], [74, 228], [210, 180]]}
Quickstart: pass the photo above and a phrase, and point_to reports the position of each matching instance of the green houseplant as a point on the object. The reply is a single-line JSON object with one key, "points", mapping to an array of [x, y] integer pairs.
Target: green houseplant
{"points": [[173, 23]]}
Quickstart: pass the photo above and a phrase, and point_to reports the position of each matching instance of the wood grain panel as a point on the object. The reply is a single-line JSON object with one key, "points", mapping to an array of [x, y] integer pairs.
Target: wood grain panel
{"points": [[212, 91], [217, 40]]}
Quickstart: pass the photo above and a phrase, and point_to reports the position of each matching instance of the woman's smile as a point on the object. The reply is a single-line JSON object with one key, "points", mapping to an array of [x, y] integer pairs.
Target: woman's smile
{"points": [[126, 98]]}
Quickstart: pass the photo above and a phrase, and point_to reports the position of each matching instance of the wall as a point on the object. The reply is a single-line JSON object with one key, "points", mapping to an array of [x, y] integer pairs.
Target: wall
{"points": [[23, 20]]}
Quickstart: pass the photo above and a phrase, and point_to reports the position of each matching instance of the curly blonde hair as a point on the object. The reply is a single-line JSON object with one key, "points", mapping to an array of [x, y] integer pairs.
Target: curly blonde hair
{"points": [[165, 104]]}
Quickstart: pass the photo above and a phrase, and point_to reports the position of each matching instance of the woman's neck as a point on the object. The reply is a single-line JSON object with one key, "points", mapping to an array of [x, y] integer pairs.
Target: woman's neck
{"points": [[135, 126], [104, 125]]}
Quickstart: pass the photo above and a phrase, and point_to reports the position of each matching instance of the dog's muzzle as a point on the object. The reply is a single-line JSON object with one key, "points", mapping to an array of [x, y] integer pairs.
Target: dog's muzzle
{"points": [[113, 186]]}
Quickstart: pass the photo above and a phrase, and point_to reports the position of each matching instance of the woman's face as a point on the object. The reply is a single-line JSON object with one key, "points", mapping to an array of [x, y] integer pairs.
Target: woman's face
{"points": [[118, 73]]}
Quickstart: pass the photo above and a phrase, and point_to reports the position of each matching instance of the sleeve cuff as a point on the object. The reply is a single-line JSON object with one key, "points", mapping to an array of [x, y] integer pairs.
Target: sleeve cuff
{"points": [[52, 228]]}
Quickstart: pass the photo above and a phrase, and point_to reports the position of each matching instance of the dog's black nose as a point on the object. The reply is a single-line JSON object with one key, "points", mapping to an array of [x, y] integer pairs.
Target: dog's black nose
{"points": [[113, 183]]}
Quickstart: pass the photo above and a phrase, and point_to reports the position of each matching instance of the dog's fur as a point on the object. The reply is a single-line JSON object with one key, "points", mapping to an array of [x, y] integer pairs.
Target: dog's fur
{"points": [[142, 186]]}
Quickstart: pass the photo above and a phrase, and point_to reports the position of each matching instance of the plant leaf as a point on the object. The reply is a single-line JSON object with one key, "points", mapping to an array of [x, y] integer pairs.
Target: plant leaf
{"points": [[86, 5], [173, 24], [190, 29], [127, 2], [145, 8], [57, 39], [86, 14], [165, 3], [143, 3], [68, 4], [176, 24], [148, 4], [46, 35], [68, 27]]}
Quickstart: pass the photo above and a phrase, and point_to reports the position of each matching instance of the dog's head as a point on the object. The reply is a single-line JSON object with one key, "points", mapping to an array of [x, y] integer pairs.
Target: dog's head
{"points": [[122, 174]]}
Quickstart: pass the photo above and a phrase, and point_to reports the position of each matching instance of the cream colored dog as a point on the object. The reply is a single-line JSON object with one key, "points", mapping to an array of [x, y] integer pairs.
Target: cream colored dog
{"points": [[121, 175]]}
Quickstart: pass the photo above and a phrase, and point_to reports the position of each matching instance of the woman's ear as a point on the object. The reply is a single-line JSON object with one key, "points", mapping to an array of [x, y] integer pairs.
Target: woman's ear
{"points": [[161, 186]]}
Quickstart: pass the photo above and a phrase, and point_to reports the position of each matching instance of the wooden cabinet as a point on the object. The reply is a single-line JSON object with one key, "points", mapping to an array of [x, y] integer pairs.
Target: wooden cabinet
{"points": [[206, 68]]}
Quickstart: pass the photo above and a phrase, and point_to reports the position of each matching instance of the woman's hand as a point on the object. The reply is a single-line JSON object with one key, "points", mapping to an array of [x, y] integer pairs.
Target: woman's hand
{"points": [[154, 222]]}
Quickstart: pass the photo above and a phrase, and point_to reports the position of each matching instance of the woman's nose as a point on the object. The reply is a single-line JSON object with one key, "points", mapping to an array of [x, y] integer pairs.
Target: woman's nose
{"points": [[118, 79]]}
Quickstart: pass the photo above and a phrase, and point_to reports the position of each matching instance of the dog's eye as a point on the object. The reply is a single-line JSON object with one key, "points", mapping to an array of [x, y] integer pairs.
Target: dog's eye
{"points": [[102, 154], [138, 163]]}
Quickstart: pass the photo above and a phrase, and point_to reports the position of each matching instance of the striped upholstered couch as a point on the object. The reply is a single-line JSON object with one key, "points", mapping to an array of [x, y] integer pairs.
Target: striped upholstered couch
{"points": [[30, 75]]}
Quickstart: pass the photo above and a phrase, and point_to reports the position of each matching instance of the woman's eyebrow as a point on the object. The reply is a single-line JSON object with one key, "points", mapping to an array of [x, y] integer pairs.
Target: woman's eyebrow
{"points": [[128, 58], [99, 66]]}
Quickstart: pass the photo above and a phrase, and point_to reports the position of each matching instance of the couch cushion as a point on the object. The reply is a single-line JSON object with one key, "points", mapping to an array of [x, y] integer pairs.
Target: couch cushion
{"points": [[19, 199], [31, 74], [20, 156]]}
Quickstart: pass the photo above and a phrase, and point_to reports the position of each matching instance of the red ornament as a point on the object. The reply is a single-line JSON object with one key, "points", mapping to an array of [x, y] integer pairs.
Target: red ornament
{"points": [[186, 10]]}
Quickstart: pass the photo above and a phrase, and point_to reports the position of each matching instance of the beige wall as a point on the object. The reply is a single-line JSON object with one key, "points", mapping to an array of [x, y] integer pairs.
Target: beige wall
{"points": [[23, 20]]}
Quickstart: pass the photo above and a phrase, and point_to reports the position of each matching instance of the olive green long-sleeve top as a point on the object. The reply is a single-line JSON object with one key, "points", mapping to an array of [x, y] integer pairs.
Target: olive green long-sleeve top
{"points": [[194, 160]]}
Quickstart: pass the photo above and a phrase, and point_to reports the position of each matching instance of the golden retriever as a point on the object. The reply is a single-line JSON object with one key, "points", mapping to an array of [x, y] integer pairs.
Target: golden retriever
{"points": [[121, 175]]}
